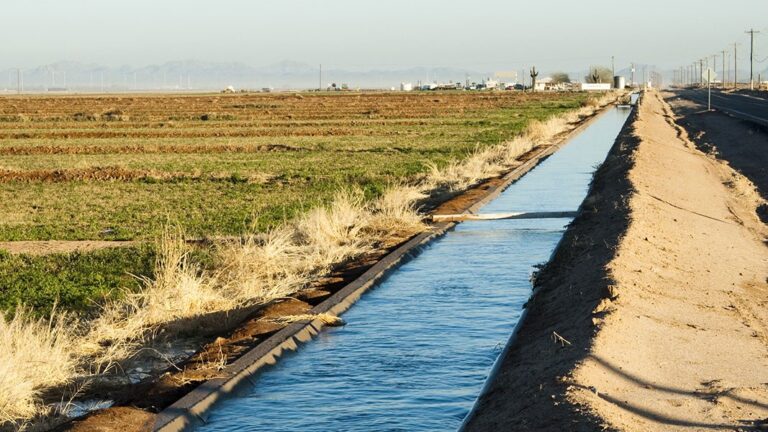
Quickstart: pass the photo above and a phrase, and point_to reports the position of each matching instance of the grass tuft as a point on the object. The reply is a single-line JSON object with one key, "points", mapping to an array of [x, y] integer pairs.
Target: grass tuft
{"points": [[36, 354]]}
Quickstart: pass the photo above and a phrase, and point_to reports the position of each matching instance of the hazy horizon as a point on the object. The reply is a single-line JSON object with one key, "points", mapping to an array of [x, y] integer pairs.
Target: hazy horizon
{"points": [[367, 35]]}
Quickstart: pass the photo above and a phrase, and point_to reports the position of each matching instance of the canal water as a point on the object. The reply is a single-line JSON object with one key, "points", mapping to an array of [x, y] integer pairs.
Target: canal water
{"points": [[417, 348]]}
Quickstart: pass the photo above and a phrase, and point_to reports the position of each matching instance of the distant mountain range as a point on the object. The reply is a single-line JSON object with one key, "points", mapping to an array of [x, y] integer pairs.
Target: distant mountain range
{"points": [[200, 75]]}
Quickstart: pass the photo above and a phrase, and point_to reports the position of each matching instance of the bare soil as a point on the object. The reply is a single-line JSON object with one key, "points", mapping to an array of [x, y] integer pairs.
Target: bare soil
{"points": [[652, 314], [46, 247], [740, 143]]}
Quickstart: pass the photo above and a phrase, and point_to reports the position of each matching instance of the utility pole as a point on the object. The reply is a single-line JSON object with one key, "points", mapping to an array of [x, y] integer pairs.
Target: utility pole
{"points": [[613, 68], [19, 84], [690, 75], [632, 71], [723, 79], [751, 33], [735, 67], [693, 77], [693, 73], [701, 69], [320, 79], [709, 89]]}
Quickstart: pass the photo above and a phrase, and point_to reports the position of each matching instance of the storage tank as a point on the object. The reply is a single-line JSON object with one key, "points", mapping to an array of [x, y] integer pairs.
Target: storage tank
{"points": [[619, 82]]}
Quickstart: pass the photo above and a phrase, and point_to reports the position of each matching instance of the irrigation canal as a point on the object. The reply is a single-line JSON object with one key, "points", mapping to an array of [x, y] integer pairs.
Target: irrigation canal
{"points": [[417, 348]]}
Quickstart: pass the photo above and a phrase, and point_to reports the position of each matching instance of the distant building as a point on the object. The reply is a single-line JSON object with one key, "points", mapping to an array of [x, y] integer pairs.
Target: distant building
{"points": [[543, 84], [595, 86], [490, 84], [406, 87]]}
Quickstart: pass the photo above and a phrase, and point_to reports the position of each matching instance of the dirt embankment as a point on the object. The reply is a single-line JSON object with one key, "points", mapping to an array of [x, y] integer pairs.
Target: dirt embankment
{"points": [[652, 314]]}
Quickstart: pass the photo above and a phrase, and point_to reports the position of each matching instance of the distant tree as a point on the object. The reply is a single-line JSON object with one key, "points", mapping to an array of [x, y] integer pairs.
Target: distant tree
{"points": [[560, 78], [599, 74]]}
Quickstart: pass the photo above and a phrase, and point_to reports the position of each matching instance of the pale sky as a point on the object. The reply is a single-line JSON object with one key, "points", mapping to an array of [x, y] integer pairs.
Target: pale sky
{"points": [[371, 34]]}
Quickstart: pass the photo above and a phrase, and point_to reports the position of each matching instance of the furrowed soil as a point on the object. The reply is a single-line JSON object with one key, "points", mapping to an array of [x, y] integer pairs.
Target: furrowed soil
{"points": [[652, 314], [123, 167]]}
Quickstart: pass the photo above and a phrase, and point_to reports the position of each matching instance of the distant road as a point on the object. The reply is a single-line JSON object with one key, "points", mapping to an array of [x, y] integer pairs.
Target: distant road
{"points": [[746, 107]]}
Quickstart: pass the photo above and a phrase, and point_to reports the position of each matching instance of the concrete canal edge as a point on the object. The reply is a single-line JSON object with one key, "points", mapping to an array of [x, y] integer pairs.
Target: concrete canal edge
{"points": [[194, 406]]}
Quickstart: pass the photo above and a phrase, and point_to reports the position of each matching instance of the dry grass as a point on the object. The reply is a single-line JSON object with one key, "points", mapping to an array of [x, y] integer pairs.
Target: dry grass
{"points": [[35, 355], [179, 291], [263, 267]]}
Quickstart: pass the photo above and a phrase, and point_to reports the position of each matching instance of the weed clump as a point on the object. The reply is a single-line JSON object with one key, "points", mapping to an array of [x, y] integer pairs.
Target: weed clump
{"points": [[37, 354]]}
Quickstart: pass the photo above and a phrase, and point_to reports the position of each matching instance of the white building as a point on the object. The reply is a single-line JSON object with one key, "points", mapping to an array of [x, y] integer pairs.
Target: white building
{"points": [[595, 87], [490, 84], [543, 84]]}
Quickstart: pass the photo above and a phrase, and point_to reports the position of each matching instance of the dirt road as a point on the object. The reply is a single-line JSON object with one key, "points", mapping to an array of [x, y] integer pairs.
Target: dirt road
{"points": [[653, 314], [741, 143]]}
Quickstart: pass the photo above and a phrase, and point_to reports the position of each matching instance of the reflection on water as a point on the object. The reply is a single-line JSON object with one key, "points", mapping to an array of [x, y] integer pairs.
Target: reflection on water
{"points": [[417, 348]]}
